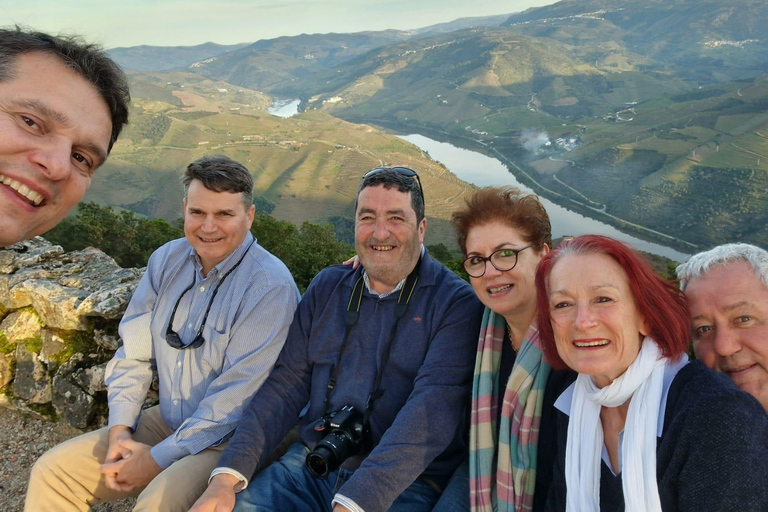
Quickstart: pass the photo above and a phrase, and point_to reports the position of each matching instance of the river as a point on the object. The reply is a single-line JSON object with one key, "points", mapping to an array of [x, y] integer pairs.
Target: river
{"points": [[483, 171], [284, 108]]}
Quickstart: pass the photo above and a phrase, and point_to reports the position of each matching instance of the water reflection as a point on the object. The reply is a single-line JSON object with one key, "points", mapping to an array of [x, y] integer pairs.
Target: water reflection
{"points": [[483, 171], [284, 108]]}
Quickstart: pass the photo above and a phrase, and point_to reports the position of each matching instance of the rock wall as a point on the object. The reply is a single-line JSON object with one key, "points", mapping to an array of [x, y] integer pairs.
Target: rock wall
{"points": [[59, 314]]}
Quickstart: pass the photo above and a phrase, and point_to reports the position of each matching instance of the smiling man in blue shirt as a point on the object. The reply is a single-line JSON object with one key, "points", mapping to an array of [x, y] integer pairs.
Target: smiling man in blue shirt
{"points": [[211, 315]]}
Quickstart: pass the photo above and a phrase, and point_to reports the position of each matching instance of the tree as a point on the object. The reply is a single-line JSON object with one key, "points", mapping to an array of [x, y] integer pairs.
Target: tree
{"points": [[123, 235], [304, 251]]}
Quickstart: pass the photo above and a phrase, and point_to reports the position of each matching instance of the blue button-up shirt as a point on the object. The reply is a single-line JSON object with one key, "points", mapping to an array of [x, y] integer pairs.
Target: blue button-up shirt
{"points": [[202, 390]]}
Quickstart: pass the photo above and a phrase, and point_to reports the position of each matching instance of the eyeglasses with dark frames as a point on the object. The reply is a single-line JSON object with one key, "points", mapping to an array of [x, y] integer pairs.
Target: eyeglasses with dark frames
{"points": [[402, 171], [172, 337], [502, 260]]}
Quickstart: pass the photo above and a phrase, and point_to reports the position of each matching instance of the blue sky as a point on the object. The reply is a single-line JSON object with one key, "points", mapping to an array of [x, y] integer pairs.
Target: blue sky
{"points": [[188, 22]]}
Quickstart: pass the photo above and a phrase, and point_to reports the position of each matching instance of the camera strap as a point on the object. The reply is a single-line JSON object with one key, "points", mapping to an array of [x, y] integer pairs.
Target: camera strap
{"points": [[350, 318]]}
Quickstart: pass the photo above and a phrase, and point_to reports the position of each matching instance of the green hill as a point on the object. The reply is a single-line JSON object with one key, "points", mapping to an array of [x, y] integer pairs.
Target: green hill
{"points": [[706, 40], [308, 166]]}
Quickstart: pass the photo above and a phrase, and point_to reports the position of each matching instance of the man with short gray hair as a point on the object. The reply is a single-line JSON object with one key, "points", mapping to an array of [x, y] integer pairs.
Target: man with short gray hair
{"points": [[211, 314], [727, 290]]}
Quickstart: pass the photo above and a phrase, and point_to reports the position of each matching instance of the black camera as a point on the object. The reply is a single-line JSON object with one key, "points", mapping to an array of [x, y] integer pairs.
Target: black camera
{"points": [[345, 438]]}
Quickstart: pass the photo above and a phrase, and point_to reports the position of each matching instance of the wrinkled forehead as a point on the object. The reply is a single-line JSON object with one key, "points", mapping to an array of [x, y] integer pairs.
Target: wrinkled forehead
{"points": [[725, 284]]}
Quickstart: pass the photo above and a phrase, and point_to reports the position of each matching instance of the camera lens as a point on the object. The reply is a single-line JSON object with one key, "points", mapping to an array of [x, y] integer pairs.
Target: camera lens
{"points": [[319, 460], [344, 440], [329, 454]]}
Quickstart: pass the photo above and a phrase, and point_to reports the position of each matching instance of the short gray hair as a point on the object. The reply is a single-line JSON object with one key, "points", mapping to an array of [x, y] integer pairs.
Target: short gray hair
{"points": [[703, 262]]}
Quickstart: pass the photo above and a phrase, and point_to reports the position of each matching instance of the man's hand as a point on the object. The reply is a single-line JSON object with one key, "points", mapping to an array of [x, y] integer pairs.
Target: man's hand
{"points": [[135, 467], [219, 496], [116, 452], [354, 261]]}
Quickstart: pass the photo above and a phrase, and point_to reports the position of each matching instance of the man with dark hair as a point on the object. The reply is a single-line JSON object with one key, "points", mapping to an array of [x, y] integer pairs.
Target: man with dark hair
{"points": [[63, 104], [211, 315], [383, 355]]}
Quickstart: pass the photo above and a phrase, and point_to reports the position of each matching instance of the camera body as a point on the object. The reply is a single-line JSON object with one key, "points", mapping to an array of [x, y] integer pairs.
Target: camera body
{"points": [[346, 436]]}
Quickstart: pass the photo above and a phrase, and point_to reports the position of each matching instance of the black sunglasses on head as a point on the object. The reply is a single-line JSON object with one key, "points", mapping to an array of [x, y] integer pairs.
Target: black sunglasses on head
{"points": [[402, 171]]}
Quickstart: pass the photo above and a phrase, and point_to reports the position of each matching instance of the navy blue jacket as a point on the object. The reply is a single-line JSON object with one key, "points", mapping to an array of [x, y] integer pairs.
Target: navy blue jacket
{"points": [[427, 381], [712, 455]]}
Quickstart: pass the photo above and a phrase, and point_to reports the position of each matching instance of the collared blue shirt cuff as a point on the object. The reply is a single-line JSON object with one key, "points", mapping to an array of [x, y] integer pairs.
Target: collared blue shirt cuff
{"points": [[346, 502], [241, 485], [124, 413], [166, 452]]}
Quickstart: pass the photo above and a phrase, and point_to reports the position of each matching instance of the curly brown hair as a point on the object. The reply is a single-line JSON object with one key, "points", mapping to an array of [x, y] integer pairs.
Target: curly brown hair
{"points": [[507, 205]]}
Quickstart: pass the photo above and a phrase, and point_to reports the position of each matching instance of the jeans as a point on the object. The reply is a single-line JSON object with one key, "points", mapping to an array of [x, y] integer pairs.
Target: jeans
{"points": [[455, 497], [287, 486]]}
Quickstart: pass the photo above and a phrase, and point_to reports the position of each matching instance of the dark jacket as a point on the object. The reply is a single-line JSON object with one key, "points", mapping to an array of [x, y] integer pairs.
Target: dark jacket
{"points": [[712, 454], [426, 381]]}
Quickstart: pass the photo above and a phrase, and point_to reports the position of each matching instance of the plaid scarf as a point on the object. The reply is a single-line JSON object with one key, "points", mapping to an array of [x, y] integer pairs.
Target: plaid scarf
{"points": [[502, 472]]}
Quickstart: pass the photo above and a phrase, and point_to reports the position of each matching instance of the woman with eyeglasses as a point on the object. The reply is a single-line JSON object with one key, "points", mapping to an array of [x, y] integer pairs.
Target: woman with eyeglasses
{"points": [[503, 235]]}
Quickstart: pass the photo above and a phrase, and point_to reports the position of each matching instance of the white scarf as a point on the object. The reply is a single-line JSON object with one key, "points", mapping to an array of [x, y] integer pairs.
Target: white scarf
{"points": [[642, 382]]}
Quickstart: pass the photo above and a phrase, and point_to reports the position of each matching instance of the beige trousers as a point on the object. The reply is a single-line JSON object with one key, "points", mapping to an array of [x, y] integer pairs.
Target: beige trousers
{"points": [[67, 477]]}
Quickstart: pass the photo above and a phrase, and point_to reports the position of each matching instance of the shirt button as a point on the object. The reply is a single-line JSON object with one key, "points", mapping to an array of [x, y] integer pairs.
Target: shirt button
{"points": [[202, 288], [189, 326], [178, 363], [175, 402]]}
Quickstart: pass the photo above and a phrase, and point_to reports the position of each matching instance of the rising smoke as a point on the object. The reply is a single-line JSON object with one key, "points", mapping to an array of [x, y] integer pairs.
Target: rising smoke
{"points": [[532, 140]]}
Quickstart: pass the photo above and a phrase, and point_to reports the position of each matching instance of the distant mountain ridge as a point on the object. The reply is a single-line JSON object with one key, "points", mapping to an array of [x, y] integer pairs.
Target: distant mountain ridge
{"points": [[166, 58], [299, 55]]}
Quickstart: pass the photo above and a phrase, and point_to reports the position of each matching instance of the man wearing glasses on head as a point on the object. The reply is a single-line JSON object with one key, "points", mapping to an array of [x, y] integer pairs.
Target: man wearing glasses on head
{"points": [[383, 355], [211, 315]]}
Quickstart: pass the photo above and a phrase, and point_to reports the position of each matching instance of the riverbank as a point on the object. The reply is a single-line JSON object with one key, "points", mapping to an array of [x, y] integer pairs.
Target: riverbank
{"points": [[646, 239]]}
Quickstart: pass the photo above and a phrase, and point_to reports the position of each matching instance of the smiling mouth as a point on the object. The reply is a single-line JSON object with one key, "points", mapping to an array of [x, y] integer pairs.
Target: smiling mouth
{"points": [[737, 370], [30, 195], [500, 288], [209, 240], [591, 343], [382, 247]]}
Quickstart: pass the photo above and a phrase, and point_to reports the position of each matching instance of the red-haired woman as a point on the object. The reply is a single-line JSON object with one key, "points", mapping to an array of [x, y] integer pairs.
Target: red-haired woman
{"points": [[641, 429]]}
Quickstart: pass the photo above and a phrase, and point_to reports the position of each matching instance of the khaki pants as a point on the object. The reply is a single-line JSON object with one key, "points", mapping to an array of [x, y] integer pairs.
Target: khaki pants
{"points": [[67, 477]]}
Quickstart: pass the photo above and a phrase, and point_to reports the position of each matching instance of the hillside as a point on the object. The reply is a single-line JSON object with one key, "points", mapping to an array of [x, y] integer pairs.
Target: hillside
{"points": [[707, 40], [267, 62], [483, 79], [308, 166], [166, 58], [693, 164]]}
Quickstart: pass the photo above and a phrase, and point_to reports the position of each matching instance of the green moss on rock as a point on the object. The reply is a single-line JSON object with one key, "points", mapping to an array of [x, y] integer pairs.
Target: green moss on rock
{"points": [[6, 347]]}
